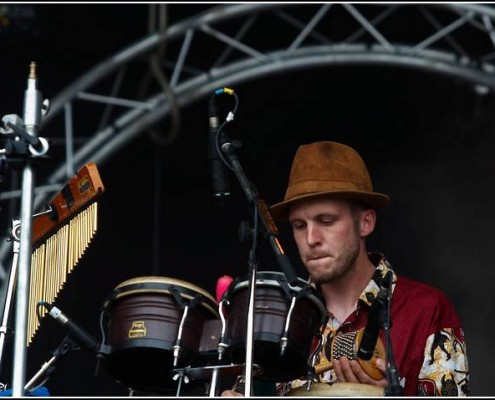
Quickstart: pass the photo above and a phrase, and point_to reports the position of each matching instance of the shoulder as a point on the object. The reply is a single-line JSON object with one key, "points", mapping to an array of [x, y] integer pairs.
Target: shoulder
{"points": [[424, 300], [406, 287]]}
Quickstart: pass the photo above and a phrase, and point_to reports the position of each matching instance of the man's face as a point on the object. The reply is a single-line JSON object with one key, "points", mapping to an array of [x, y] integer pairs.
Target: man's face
{"points": [[327, 235]]}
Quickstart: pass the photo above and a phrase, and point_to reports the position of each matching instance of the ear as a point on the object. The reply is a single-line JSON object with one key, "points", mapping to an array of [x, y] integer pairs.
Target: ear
{"points": [[367, 222]]}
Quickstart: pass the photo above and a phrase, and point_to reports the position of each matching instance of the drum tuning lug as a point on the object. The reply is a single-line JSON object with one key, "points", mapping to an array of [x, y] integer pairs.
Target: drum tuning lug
{"points": [[221, 349], [283, 345], [176, 354]]}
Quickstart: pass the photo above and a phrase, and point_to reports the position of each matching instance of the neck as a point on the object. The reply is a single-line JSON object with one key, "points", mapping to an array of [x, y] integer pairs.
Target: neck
{"points": [[341, 295]]}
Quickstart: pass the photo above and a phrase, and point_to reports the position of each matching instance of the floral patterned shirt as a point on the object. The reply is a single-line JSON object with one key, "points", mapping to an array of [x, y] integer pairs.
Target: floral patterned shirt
{"points": [[426, 336]]}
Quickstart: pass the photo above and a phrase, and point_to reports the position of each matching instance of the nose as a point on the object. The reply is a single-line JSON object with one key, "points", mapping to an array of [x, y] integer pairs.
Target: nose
{"points": [[313, 235]]}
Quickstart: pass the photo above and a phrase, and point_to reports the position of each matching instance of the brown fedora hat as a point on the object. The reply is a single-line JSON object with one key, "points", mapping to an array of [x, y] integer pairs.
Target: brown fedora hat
{"points": [[323, 168]]}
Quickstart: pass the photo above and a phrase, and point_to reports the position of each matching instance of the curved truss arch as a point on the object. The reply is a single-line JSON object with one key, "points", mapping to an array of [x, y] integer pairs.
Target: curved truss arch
{"points": [[228, 44]]}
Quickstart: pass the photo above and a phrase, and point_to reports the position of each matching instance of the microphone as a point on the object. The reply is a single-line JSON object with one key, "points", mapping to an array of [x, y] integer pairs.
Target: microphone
{"points": [[78, 333], [375, 320], [33, 110], [32, 102], [218, 173]]}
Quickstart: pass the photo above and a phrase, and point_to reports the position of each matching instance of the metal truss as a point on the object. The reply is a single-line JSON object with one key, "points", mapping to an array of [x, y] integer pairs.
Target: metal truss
{"points": [[228, 44]]}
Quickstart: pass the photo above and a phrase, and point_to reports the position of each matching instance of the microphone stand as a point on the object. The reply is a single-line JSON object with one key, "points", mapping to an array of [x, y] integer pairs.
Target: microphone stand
{"points": [[24, 132], [67, 344], [229, 149], [5, 330], [393, 388]]}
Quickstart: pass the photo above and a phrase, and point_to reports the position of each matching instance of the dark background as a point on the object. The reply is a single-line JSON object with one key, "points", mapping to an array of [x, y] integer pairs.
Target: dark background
{"points": [[427, 139]]}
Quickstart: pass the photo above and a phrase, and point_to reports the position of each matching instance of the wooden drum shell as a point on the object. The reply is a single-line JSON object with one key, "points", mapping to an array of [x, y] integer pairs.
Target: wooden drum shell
{"points": [[270, 314], [143, 326]]}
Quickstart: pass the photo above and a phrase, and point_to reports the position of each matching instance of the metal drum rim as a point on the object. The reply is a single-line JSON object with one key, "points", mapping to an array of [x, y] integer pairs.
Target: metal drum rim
{"points": [[167, 283], [274, 283]]}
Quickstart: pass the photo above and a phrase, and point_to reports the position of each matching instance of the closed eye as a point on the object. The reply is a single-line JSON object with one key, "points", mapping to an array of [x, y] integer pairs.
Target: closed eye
{"points": [[298, 225], [326, 220]]}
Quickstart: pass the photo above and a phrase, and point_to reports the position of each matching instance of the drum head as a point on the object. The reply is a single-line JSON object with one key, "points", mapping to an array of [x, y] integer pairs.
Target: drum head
{"points": [[339, 389], [162, 284]]}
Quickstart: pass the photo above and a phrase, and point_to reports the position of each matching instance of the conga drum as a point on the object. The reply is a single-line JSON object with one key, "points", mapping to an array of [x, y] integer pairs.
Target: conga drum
{"points": [[287, 318], [155, 325], [339, 389]]}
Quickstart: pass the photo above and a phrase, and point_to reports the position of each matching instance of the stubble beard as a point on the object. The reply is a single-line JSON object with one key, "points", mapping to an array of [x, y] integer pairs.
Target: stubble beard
{"points": [[342, 264]]}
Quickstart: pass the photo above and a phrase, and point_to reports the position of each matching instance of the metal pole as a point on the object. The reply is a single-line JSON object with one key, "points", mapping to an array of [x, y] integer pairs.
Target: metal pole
{"points": [[250, 335], [4, 329], [37, 147], [19, 370]]}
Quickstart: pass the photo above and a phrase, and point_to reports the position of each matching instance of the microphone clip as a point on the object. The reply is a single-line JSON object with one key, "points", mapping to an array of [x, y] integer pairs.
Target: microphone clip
{"points": [[65, 346]]}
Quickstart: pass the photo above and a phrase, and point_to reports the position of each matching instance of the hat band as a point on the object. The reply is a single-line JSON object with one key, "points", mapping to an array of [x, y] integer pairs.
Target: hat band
{"points": [[313, 187]]}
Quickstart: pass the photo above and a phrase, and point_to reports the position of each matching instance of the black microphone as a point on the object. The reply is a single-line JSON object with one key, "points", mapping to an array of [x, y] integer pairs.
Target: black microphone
{"points": [[219, 179], [375, 320], [78, 333]]}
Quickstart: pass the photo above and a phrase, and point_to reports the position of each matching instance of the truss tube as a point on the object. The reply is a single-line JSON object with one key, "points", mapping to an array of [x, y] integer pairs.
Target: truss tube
{"points": [[212, 16], [147, 44], [105, 144], [109, 140]]}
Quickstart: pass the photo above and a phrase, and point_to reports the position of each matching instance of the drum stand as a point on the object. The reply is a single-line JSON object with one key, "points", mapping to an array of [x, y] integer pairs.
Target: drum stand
{"points": [[212, 372], [221, 348], [260, 211], [182, 375]]}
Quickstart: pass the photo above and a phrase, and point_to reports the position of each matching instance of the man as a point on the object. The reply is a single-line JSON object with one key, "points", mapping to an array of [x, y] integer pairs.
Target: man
{"points": [[332, 208]]}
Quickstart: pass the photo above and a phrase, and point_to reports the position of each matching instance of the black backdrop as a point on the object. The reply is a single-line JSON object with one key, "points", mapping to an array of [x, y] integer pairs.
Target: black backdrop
{"points": [[427, 139]]}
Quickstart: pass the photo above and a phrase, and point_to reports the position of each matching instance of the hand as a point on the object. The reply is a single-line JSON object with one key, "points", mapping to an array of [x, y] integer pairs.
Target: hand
{"points": [[351, 371], [231, 393]]}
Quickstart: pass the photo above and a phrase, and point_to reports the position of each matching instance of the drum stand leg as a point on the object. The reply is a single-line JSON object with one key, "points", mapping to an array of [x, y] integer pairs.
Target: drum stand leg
{"points": [[221, 348], [311, 369], [213, 383], [284, 339], [177, 348]]}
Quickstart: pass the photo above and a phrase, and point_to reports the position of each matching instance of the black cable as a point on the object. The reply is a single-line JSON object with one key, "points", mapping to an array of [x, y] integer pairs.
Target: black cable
{"points": [[41, 303], [229, 118], [102, 326]]}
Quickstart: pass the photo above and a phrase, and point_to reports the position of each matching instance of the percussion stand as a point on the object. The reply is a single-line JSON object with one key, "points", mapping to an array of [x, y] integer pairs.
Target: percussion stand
{"points": [[5, 330], [229, 149], [24, 146]]}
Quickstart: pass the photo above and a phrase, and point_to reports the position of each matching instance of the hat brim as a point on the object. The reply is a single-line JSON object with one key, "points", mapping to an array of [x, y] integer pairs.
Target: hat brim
{"points": [[280, 211]]}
